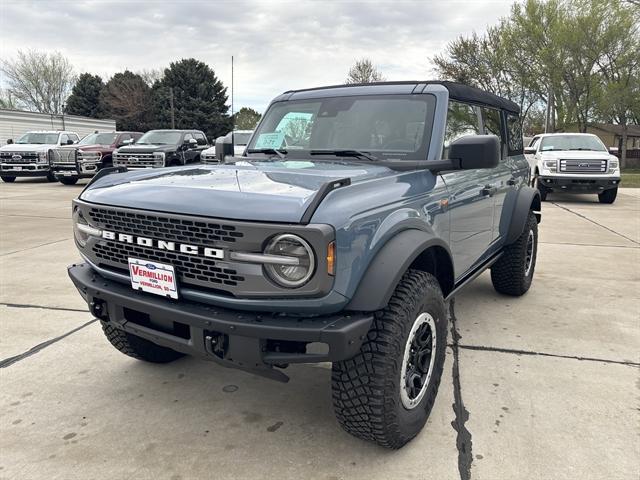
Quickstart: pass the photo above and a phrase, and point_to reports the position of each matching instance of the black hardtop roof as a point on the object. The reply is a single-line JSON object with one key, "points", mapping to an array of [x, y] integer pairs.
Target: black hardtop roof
{"points": [[181, 130], [457, 91]]}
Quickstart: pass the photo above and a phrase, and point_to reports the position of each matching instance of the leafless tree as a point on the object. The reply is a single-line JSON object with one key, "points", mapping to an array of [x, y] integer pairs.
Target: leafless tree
{"points": [[151, 76], [39, 81], [364, 71]]}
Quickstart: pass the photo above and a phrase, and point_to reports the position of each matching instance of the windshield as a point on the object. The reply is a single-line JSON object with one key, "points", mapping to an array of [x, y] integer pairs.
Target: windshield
{"points": [[572, 142], [389, 127], [98, 139], [39, 138], [160, 137], [241, 138]]}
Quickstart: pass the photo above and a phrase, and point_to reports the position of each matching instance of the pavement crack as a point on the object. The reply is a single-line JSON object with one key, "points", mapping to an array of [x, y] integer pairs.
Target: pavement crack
{"points": [[594, 222], [514, 351], [44, 307], [7, 362], [463, 438], [36, 246]]}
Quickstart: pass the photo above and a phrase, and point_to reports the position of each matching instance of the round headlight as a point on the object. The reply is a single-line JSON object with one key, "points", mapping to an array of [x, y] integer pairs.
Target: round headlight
{"points": [[298, 261]]}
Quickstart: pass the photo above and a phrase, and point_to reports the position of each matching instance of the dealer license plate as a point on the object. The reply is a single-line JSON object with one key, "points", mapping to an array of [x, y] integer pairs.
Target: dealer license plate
{"points": [[153, 277]]}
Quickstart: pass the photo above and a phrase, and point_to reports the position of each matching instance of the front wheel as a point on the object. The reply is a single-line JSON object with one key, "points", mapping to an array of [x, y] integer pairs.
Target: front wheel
{"points": [[542, 190], [512, 274], [68, 180], [386, 392], [608, 196], [8, 179]]}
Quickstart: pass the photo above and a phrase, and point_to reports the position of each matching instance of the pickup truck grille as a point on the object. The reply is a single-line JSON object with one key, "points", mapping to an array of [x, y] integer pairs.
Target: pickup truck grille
{"points": [[136, 160], [583, 166], [18, 157], [63, 156], [190, 269]]}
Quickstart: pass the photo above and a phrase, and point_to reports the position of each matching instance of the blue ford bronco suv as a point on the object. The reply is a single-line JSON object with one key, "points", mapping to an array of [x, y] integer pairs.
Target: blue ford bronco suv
{"points": [[354, 214]]}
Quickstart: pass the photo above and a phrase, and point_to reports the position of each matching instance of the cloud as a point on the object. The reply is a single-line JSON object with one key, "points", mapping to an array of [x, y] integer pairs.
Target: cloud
{"points": [[277, 45]]}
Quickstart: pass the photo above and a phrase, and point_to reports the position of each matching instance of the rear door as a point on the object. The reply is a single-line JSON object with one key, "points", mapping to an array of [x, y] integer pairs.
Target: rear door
{"points": [[471, 206]]}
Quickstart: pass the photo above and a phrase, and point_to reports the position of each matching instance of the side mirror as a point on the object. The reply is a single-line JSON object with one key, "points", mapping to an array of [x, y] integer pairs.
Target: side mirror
{"points": [[224, 147], [613, 151], [475, 151], [69, 142], [191, 143], [128, 141], [530, 150]]}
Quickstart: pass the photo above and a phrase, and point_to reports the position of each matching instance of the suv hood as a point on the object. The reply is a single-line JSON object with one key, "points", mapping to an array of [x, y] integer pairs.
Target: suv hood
{"points": [[258, 191], [26, 147]]}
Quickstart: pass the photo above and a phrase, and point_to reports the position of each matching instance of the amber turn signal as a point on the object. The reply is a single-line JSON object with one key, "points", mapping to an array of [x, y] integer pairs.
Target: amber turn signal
{"points": [[331, 258]]}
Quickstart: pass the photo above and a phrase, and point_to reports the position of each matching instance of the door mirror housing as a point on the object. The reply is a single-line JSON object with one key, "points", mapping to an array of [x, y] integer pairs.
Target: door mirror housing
{"points": [[224, 147], [128, 141], [530, 150], [469, 153], [191, 143], [69, 142]]}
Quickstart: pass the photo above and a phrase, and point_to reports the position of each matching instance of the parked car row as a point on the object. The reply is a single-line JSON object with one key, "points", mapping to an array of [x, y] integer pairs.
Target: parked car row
{"points": [[62, 156]]}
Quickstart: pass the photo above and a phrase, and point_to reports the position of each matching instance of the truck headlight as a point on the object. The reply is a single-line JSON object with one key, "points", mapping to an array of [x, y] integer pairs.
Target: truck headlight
{"points": [[82, 230], [613, 166], [550, 165], [300, 260], [43, 157], [159, 157]]}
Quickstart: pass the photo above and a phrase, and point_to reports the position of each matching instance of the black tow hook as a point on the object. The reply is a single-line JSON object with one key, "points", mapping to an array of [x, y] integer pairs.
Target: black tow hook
{"points": [[98, 309]]}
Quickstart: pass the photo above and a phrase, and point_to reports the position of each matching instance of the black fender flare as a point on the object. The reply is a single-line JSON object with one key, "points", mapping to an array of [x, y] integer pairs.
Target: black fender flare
{"points": [[528, 199], [386, 269]]}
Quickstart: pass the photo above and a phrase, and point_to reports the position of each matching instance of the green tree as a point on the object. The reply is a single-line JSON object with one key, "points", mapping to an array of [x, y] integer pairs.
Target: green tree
{"points": [[199, 98], [127, 98], [364, 71], [85, 96], [246, 119]]}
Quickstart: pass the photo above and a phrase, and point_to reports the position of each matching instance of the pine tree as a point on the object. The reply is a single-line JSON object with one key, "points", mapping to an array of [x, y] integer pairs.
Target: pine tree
{"points": [[85, 96]]}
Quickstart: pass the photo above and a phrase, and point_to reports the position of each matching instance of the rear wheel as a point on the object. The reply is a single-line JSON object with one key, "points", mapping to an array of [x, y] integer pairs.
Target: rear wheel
{"points": [[137, 347], [608, 196], [386, 392], [68, 180], [8, 179], [51, 177], [512, 274]]}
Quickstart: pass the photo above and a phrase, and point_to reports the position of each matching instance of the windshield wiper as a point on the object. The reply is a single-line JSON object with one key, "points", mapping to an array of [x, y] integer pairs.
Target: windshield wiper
{"points": [[585, 149], [346, 153], [271, 151]]}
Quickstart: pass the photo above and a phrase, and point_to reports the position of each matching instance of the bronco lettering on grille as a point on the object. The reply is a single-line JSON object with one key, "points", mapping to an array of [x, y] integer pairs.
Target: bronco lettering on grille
{"points": [[164, 245]]}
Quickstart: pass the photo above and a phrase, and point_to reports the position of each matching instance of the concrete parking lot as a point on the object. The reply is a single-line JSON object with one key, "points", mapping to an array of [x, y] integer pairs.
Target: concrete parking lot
{"points": [[540, 387]]}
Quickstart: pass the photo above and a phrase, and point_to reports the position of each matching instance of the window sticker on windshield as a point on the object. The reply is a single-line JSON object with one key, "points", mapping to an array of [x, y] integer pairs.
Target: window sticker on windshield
{"points": [[269, 140], [298, 164]]}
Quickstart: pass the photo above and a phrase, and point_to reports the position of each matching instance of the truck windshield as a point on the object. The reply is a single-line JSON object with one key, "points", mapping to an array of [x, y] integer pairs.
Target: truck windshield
{"points": [[99, 139], [160, 137], [39, 138], [571, 142], [391, 127]]}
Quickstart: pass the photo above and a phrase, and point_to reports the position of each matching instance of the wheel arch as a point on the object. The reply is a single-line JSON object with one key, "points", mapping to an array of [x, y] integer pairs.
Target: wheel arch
{"points": [[528, 199], [408, 249]]}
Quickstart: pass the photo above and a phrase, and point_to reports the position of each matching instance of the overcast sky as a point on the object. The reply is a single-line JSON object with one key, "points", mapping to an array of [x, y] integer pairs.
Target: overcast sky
{"points": [[277, 45]]}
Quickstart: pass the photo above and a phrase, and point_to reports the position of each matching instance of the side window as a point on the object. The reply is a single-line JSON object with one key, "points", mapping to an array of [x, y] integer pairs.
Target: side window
{"points": [[187, 137], [492, 125], [63, 139], [514, 131], [462, 120], [200, 138]]}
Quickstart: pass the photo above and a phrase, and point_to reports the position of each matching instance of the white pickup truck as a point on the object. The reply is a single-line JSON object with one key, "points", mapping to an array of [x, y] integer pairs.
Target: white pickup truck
{"points": [[573, 162], [29, 156], [240, 142]]}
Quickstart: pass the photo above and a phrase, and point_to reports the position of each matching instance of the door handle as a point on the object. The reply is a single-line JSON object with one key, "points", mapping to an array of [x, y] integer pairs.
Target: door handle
{"points": [[489, 190]]}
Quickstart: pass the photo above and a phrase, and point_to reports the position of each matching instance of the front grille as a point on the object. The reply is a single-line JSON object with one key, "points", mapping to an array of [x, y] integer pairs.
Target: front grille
{"points": [[89, 156], [137, 160], [209, 158], [164, 228], [190, 269], [20, 157], [583, 166], [63, 156]]}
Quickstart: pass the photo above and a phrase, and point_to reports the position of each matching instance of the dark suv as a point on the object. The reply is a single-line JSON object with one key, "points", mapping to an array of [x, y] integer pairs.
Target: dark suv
{"points": [[354, 214], [162, 148], [89, 156]]}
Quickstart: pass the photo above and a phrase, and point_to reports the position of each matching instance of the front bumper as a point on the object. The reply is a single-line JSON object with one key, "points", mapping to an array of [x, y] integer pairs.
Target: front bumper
{"points": [[70, 170], [250, 341], [578, 183], [24, 170]]}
